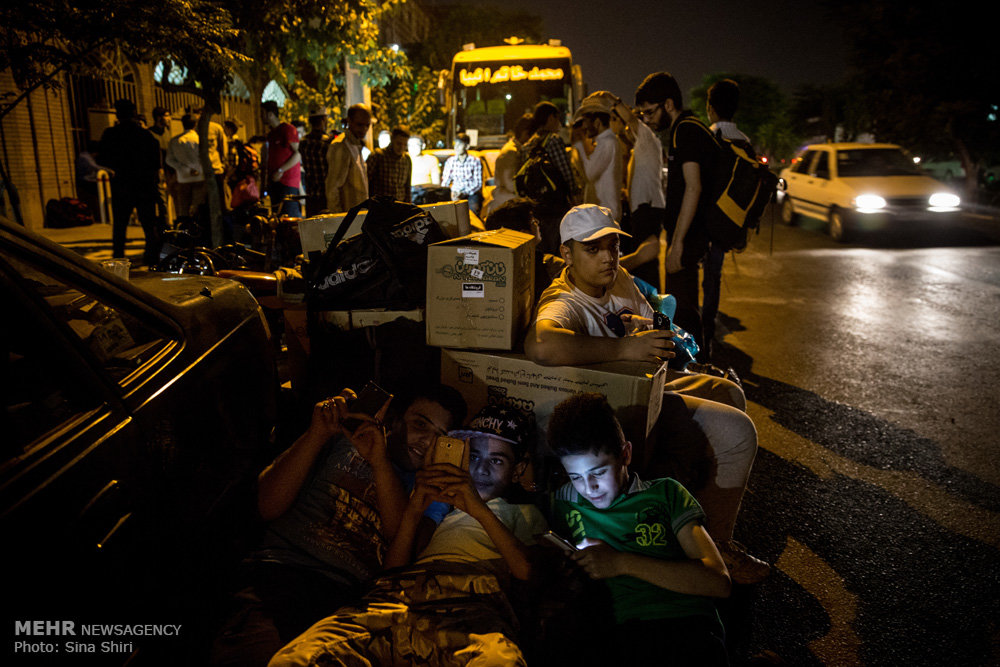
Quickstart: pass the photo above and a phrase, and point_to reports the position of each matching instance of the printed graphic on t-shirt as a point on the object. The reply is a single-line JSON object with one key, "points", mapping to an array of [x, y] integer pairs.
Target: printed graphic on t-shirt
{"points": [[652, 526]]}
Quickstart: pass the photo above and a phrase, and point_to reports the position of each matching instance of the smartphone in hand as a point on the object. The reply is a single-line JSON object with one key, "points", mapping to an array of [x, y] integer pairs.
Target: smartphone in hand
{"points": [[548, 537], [661, 322], [369, 402], [449, 450]]}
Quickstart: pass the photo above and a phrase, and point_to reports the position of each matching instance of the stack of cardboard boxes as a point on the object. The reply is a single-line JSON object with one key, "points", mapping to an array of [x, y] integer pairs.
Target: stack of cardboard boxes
{"points": [[480, 298]]}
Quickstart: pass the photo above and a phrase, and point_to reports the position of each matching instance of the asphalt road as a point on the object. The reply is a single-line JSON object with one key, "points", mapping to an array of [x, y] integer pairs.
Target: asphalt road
{"points": [[872, 372]]}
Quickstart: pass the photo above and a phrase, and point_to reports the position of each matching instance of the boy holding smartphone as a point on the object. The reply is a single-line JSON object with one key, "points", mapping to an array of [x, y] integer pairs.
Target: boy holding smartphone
{"points": [[450, 605], [645, 540], [332, 502]]}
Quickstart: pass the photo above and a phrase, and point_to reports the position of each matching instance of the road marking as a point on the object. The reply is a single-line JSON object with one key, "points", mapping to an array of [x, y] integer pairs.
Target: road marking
{"points": [[840, 645], [927, 498]]}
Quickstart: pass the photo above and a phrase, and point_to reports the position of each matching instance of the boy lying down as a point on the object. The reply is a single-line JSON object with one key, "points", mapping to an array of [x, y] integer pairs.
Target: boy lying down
{"points": [[450, 606]]}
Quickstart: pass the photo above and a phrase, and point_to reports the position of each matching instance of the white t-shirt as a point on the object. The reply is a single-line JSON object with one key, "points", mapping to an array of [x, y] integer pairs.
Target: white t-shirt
{"points": [[460, 538], [426, 170], [569, 308], [604, 169], [728, 130], [645, 169]]}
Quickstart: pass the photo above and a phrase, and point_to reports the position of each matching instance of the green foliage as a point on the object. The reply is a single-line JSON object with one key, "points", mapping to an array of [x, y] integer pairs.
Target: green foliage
{"points": [[411, 102], [41, 37], [303, 46]]}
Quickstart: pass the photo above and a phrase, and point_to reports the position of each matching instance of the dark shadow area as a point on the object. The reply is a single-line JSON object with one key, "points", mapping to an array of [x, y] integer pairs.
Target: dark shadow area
{"points": [[900, 571], [856, 434], [926, 235], [955, 232]]}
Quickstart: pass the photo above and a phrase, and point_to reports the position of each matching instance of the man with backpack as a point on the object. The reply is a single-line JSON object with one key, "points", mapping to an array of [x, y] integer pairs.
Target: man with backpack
{"points": [[692, 155], [546, 175], [723, 98]]}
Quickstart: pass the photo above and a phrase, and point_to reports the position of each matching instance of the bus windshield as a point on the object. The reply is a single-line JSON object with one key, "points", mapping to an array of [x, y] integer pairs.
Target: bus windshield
{"points": [[491, 96]]}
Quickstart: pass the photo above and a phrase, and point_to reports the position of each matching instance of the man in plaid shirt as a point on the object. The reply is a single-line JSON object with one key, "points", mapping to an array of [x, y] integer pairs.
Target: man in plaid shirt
{"points": [[313, 149], [464, 174], [389, 168]]}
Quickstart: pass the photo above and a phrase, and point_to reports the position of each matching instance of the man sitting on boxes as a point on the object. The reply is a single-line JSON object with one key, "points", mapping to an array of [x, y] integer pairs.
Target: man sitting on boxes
{"points": [[593, 312]]}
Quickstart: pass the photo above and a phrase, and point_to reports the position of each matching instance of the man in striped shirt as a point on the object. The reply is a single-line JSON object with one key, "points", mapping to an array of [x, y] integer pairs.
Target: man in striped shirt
{"points": [[463, 173]]}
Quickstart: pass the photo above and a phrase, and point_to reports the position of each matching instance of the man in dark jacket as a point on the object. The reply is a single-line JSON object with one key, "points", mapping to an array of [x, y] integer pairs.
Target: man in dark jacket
{"points": [[134, 156]]}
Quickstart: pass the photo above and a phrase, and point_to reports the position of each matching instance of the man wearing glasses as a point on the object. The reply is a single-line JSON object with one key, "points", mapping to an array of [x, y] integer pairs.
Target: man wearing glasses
{"points": [[691, 157]]}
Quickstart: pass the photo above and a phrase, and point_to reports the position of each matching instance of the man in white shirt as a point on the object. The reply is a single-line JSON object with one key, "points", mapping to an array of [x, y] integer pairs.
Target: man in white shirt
{"points": [[645, 192], [426, 169], [217, 148], [182, 155], [602, 163]]}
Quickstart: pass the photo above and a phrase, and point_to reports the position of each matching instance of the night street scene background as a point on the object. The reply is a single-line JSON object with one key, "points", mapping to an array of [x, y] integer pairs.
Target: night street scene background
{"points": [[140, 408]]}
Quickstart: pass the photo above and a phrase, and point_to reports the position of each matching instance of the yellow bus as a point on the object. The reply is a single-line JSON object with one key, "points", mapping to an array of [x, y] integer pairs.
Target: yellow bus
{"points": [[489, 88]]}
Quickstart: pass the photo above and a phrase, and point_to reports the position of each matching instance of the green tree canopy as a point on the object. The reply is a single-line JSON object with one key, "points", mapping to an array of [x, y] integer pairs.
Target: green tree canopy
{"points": [[40, 38], [303, 45]]}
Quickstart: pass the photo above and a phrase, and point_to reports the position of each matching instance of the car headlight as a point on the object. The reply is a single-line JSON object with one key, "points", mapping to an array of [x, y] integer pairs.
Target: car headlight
{"points": [[944, 200], [867, 203]]}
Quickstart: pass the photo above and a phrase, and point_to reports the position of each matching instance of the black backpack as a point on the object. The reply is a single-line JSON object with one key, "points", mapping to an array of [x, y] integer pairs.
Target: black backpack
{"points": [[385, 266], [539, 179], [740, 190]]}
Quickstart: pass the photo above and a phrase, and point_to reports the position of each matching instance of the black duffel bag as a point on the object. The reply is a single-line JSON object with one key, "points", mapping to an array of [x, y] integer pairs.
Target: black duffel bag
{"points": [[385, 266]]}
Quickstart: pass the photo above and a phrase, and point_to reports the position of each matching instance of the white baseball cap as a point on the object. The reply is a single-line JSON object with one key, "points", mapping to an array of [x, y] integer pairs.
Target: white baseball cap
{"points": [[588, 222]]}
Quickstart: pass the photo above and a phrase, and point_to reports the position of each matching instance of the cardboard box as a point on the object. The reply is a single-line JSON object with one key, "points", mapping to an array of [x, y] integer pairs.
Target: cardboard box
{"points": [[316, 232], [373, 317], [480, 290], [634, 389]]}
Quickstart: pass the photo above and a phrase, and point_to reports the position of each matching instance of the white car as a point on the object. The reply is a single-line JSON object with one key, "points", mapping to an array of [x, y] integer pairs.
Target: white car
{"points": [[861, 187]]}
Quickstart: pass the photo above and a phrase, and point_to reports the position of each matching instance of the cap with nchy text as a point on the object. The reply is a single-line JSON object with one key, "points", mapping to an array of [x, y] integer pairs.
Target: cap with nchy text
{"points": [[588, 222], [496, 421]]}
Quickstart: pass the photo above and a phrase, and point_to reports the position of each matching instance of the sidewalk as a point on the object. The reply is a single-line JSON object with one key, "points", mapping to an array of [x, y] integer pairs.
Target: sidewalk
{"points": [[94, 241]]}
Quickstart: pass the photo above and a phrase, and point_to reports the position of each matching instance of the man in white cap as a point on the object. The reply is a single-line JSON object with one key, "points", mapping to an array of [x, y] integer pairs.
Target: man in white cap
{"points": [[602, 161], [593, 312]]}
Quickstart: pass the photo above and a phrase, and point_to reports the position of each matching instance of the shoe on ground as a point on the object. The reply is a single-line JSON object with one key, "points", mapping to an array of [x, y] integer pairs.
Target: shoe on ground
{"points": [[743, 568]]}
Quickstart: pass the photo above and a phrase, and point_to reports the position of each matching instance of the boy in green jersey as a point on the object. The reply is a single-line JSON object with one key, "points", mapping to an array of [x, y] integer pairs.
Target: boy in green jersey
{"points": [[645, 540]]}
